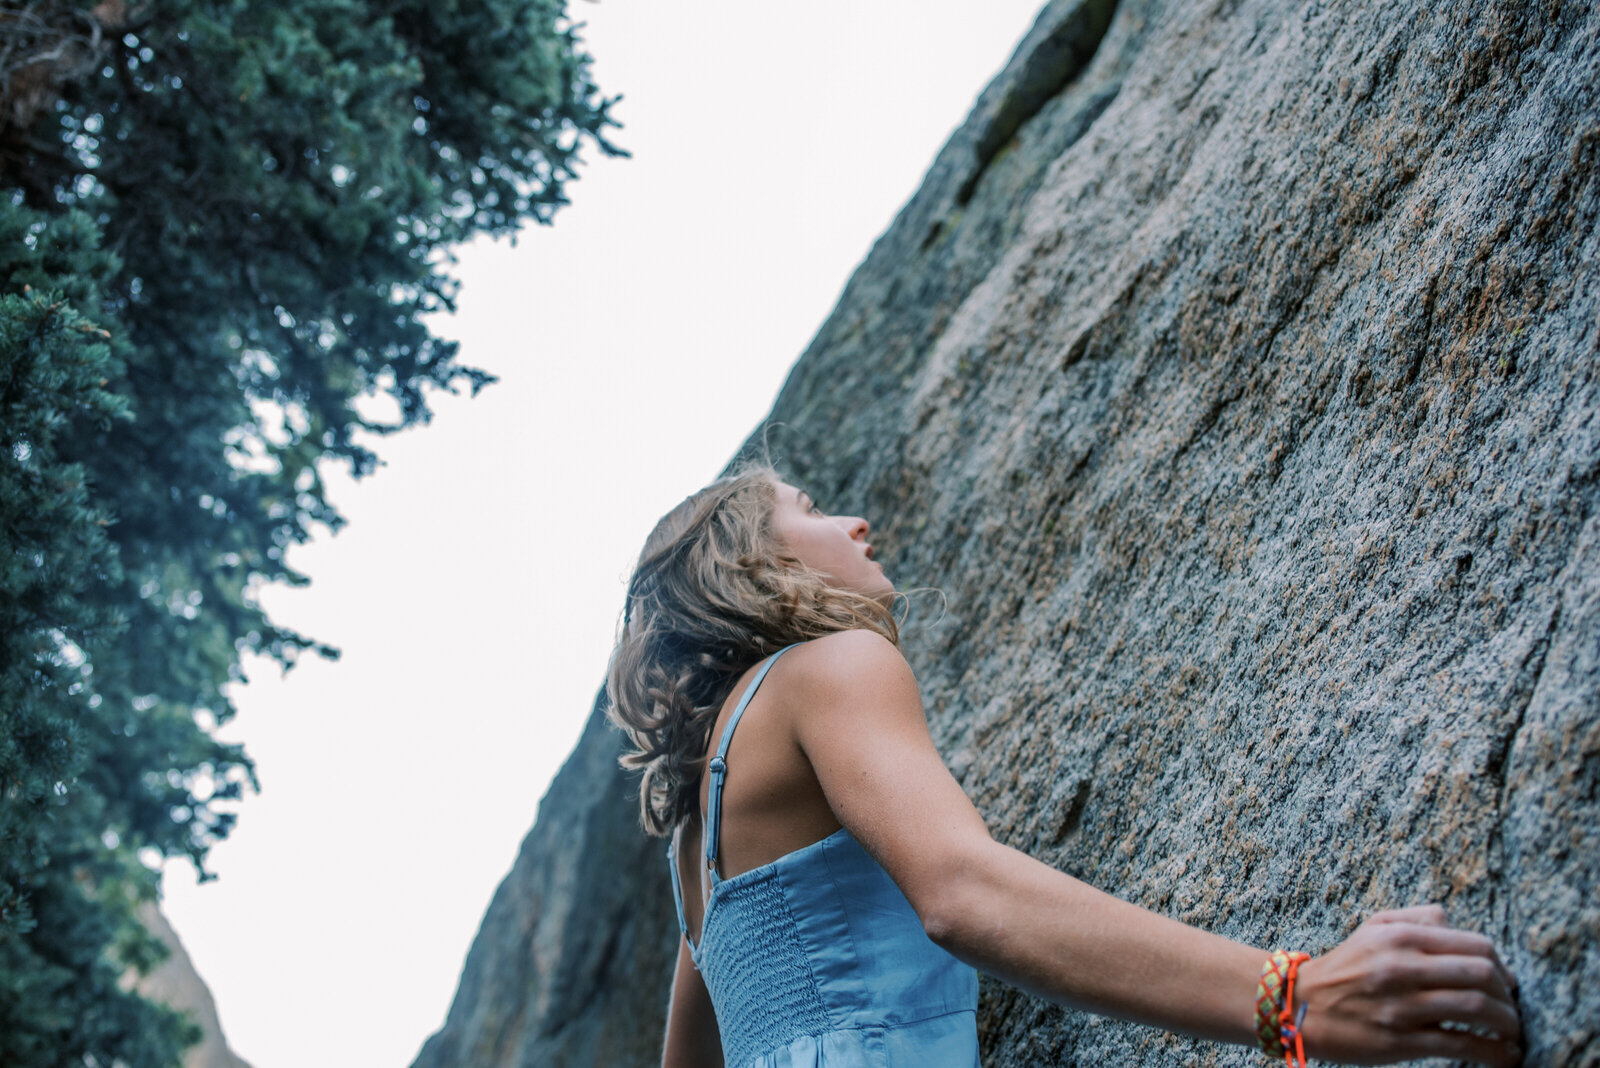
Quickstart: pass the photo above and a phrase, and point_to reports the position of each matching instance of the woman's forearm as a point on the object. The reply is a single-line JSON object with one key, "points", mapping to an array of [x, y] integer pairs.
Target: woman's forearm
{"points": [[1404, 986], [1035, 927]]}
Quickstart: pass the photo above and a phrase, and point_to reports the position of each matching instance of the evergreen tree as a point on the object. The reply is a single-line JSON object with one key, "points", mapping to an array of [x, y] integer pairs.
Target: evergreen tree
{"points": [[224, 223], [66, 890]]}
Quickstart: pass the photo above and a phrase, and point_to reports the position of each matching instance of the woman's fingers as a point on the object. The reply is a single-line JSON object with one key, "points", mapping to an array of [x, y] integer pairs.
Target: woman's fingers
{"points": [[1465, 1007], [1444, 971], [1451, 957], [1429, 939], [1461, 1046], [1433, 915]]}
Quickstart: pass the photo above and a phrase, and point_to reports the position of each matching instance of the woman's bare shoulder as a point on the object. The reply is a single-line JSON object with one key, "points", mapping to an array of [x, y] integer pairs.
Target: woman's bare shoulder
{"points": [[846, 661], [845, 651]]}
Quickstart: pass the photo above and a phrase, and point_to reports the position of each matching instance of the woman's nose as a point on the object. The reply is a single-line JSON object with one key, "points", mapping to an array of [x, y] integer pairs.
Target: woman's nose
{"points": [[855, 526]]}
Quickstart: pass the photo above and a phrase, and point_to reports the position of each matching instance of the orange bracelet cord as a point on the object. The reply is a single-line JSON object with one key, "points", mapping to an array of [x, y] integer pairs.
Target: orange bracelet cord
{"points": [[1276, 1024], [1289, 1021]]}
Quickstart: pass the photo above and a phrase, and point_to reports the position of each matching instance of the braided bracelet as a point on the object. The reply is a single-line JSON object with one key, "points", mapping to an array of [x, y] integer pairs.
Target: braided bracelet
{"points": [[1277, 1021]]}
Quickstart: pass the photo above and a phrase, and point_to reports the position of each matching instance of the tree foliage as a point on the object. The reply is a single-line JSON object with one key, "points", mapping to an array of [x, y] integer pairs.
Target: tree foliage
{"points": [[224, 223]]}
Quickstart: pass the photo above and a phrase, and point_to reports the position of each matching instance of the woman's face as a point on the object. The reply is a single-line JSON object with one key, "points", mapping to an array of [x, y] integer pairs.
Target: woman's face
{"points": [[835, 545]]}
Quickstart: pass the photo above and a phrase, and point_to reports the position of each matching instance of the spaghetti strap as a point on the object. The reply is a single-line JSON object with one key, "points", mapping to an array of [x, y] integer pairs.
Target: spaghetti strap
{"points": [[718, 768], [677, 890]]}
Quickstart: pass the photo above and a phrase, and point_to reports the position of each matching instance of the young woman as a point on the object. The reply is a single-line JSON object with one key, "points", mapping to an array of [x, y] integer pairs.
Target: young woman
{"points": [[835, 887]]}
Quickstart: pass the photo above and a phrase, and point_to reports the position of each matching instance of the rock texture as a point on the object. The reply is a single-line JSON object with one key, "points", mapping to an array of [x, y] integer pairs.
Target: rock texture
{"points": [[569, 965], [174, 982], [1235, 373]]}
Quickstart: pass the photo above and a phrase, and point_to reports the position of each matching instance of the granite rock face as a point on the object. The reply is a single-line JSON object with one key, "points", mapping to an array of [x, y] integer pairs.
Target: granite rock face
{"points": [[1235, 374], [575, 955]]}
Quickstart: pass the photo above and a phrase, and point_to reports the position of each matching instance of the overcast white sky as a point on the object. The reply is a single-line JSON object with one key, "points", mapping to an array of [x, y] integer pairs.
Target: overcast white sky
{"points": [[475, 592]]}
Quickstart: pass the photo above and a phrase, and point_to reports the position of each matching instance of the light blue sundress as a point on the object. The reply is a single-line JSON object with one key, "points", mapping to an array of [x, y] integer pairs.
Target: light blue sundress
{"points": [[817, 959]]}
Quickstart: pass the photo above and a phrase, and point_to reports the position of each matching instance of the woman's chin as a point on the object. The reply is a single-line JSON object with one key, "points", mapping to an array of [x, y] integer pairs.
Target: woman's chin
{"points": [[874, 585]]}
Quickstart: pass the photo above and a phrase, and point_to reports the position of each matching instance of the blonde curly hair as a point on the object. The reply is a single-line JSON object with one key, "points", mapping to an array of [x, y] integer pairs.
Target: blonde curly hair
{"points": [[712, 595]]}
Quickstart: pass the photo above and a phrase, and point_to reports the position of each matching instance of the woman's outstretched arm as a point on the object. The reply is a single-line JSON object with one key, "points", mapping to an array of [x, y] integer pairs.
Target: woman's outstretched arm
{"points": [[1378, 997]]}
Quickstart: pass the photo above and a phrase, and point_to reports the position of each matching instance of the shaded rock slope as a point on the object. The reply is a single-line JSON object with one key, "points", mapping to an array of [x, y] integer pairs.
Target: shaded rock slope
{"points": [[175, 983], [1235, 373]]}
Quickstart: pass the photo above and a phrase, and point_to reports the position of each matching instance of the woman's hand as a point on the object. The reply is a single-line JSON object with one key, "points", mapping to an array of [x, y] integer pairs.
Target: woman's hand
{"points": [[1407, 985]]}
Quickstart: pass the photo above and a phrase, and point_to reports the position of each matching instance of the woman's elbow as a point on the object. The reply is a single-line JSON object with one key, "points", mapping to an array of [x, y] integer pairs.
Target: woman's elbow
{"points": [[942, 927], [951, 909]]}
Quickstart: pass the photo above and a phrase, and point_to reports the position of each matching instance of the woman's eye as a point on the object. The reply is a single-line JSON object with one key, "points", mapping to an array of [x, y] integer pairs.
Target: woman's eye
{"points": [[814, 508]]}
